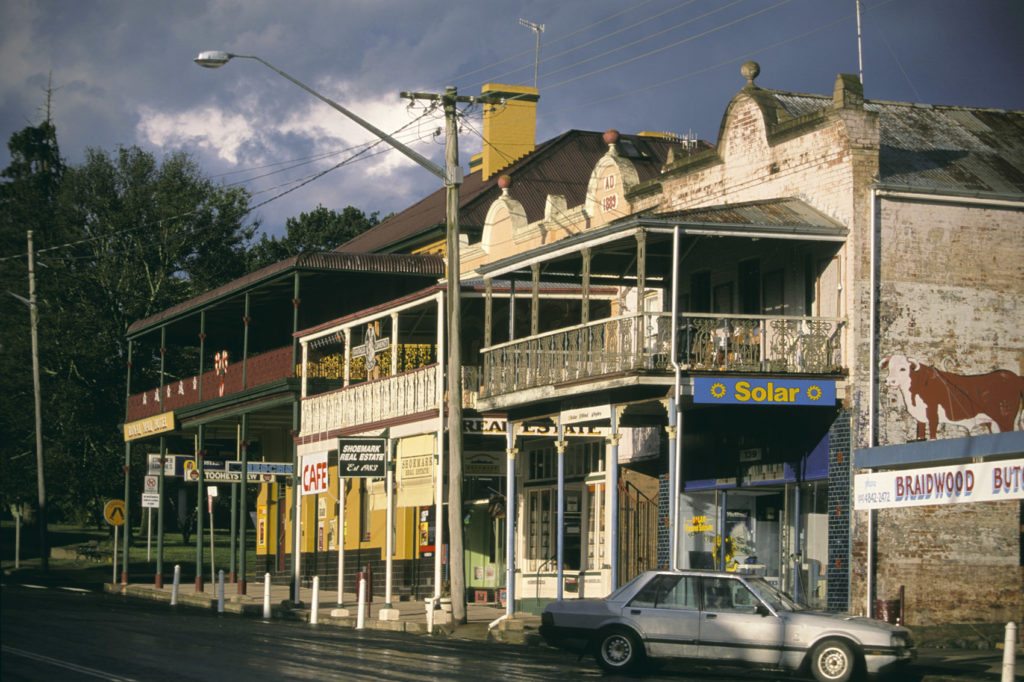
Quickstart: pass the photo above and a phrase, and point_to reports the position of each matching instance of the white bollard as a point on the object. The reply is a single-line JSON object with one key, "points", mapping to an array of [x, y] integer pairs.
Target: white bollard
{"points": [[177, 583], [1009, 652], [315, 608], [361, 609], [220, 591], [266, 596]]}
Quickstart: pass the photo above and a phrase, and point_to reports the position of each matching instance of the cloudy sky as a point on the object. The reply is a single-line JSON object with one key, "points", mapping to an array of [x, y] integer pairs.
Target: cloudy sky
{"points": [[122, 74]]}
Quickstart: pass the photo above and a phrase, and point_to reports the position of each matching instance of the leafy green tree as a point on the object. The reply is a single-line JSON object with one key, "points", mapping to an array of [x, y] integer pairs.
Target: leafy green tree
{"points": [[127, 236], [28, 191], [322, 229]]}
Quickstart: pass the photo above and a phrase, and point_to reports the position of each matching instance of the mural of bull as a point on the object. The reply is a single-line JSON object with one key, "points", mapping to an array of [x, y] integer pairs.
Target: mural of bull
{"points": [[933, 396]]}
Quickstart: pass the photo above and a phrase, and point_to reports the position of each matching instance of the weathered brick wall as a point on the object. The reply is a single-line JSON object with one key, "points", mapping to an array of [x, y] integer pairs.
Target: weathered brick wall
{"points": [[952, 296], [957, 563]]}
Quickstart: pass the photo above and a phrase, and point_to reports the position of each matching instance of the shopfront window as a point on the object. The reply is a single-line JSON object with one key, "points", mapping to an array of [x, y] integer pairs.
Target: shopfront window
{"points": [[584, 527], [778, 532]]}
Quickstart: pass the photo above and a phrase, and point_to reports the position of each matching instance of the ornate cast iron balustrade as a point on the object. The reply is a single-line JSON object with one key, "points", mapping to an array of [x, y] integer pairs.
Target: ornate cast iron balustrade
{"points": [[642, 342], [370, 402]]}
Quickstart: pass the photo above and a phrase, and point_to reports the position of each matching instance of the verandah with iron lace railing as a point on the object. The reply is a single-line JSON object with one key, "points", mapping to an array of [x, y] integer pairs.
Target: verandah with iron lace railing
{"points": [[643, 342]]}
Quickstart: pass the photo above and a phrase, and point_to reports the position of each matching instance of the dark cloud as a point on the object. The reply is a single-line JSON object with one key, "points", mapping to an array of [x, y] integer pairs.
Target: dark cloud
{"points": [[123, 73]]}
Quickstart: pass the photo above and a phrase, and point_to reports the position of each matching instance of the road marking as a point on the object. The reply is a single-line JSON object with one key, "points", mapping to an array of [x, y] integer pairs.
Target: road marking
{"points": [[34, 587], [75, 589], [64, 664]]}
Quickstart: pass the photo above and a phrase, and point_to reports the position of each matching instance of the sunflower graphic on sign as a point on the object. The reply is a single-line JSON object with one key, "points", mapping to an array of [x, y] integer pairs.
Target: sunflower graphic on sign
{"points": [[718, 390]]}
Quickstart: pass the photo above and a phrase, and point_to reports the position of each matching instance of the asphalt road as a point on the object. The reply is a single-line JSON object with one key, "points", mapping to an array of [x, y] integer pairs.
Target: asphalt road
{"points": [[54, 633]]}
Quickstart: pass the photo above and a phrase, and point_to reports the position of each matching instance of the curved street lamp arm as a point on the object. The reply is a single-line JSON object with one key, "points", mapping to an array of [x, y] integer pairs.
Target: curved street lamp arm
{"points": [[415, 156]]}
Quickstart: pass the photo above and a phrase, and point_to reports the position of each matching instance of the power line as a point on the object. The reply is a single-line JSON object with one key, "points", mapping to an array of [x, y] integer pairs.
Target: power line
{"points": [[555, 40], [606, 36], [675, 44], [732, 60], [186, 214]]}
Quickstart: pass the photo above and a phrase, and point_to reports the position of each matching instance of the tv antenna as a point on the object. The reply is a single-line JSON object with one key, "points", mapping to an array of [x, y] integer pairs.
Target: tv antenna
{"points": [[537, 29]]}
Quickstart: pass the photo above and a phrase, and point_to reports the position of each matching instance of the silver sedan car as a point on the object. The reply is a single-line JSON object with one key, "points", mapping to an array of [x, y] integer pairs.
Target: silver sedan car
{"points": [[726, 618]]}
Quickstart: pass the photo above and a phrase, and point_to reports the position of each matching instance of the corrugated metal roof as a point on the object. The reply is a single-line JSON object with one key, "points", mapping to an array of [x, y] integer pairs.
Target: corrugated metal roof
{"points": [[778, 218], [561, 165], [797, 105], [950, 148], [331, 261], [933, 147], [787, 212]]}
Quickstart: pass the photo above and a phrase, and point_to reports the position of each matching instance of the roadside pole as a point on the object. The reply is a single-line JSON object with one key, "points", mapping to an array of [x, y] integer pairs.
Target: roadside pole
{"points": [[200, 442], [114, 557], [159, 581], [243, 504], [16, 513], [341, 538], [211, 492]]}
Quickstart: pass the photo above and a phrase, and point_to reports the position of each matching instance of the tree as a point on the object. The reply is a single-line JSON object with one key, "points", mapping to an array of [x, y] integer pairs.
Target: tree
{"points": [[135, 237], [151, 235], [28, 191], [322, 229]]}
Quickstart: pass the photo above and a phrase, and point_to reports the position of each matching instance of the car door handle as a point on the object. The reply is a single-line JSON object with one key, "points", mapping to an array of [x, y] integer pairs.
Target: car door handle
{"points": [[635, 612], [710, 615]]}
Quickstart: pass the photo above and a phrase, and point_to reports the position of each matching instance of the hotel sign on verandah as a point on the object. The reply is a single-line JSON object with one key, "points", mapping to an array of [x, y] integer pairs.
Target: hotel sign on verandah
{"points": [[764, 391], [150, 426]]}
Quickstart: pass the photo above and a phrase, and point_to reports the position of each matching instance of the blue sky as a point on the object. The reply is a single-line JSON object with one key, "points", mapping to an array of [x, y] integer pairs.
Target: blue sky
{"points": [[122, 74]]}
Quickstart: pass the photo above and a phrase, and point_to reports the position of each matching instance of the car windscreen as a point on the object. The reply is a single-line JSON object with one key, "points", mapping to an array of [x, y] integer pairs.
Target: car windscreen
{"points": [[776, 599]]}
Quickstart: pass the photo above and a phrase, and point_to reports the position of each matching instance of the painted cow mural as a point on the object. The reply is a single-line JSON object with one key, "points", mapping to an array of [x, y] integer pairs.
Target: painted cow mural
{"points": [[933, 396]]}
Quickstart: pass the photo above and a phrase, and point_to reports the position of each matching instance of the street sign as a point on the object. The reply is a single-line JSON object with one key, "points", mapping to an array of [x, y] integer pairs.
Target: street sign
{"points": [[174, 465], [270, 468], [362, 457], [113, 512], [150, 500], [151, 484]]}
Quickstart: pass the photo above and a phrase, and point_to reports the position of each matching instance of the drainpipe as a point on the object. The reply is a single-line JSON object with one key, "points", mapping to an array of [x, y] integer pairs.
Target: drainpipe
{"points": [[510, 517], [675, 417], [873, 361], [439, 472], [560, 446]]}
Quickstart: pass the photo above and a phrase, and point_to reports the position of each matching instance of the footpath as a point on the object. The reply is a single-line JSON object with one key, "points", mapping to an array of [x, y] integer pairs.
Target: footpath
{"points": [[484, 621], [949, 654], [955, 653]]}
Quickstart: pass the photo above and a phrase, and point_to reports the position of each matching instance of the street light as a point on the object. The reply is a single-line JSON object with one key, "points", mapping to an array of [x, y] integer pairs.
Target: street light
{"points": [[214, 59], [452, 178]]}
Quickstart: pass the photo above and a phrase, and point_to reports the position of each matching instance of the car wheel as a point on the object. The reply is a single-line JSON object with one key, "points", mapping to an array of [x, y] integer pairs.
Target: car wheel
{"points": [[619, 650], [832, 661]]}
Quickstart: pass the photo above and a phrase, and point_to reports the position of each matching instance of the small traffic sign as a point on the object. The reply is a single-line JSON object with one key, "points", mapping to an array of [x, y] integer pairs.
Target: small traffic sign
{"points": [[113, 512], [152, 484], [150, 500]]}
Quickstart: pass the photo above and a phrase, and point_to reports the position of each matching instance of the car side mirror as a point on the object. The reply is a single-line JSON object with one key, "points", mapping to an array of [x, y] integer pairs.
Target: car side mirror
{"points": [[761, 610]]}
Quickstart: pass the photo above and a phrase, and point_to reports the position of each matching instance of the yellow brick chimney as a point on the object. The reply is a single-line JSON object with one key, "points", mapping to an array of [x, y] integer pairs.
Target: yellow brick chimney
{"points": [[510, 128]]}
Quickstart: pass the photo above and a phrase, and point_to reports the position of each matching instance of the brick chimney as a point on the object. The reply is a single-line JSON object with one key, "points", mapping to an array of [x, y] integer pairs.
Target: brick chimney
{"points": [[510, 128]]}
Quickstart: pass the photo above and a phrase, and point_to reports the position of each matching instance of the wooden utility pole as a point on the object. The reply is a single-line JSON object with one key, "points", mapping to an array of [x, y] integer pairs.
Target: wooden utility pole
{"points": [[44, 548], [453, 179]]}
